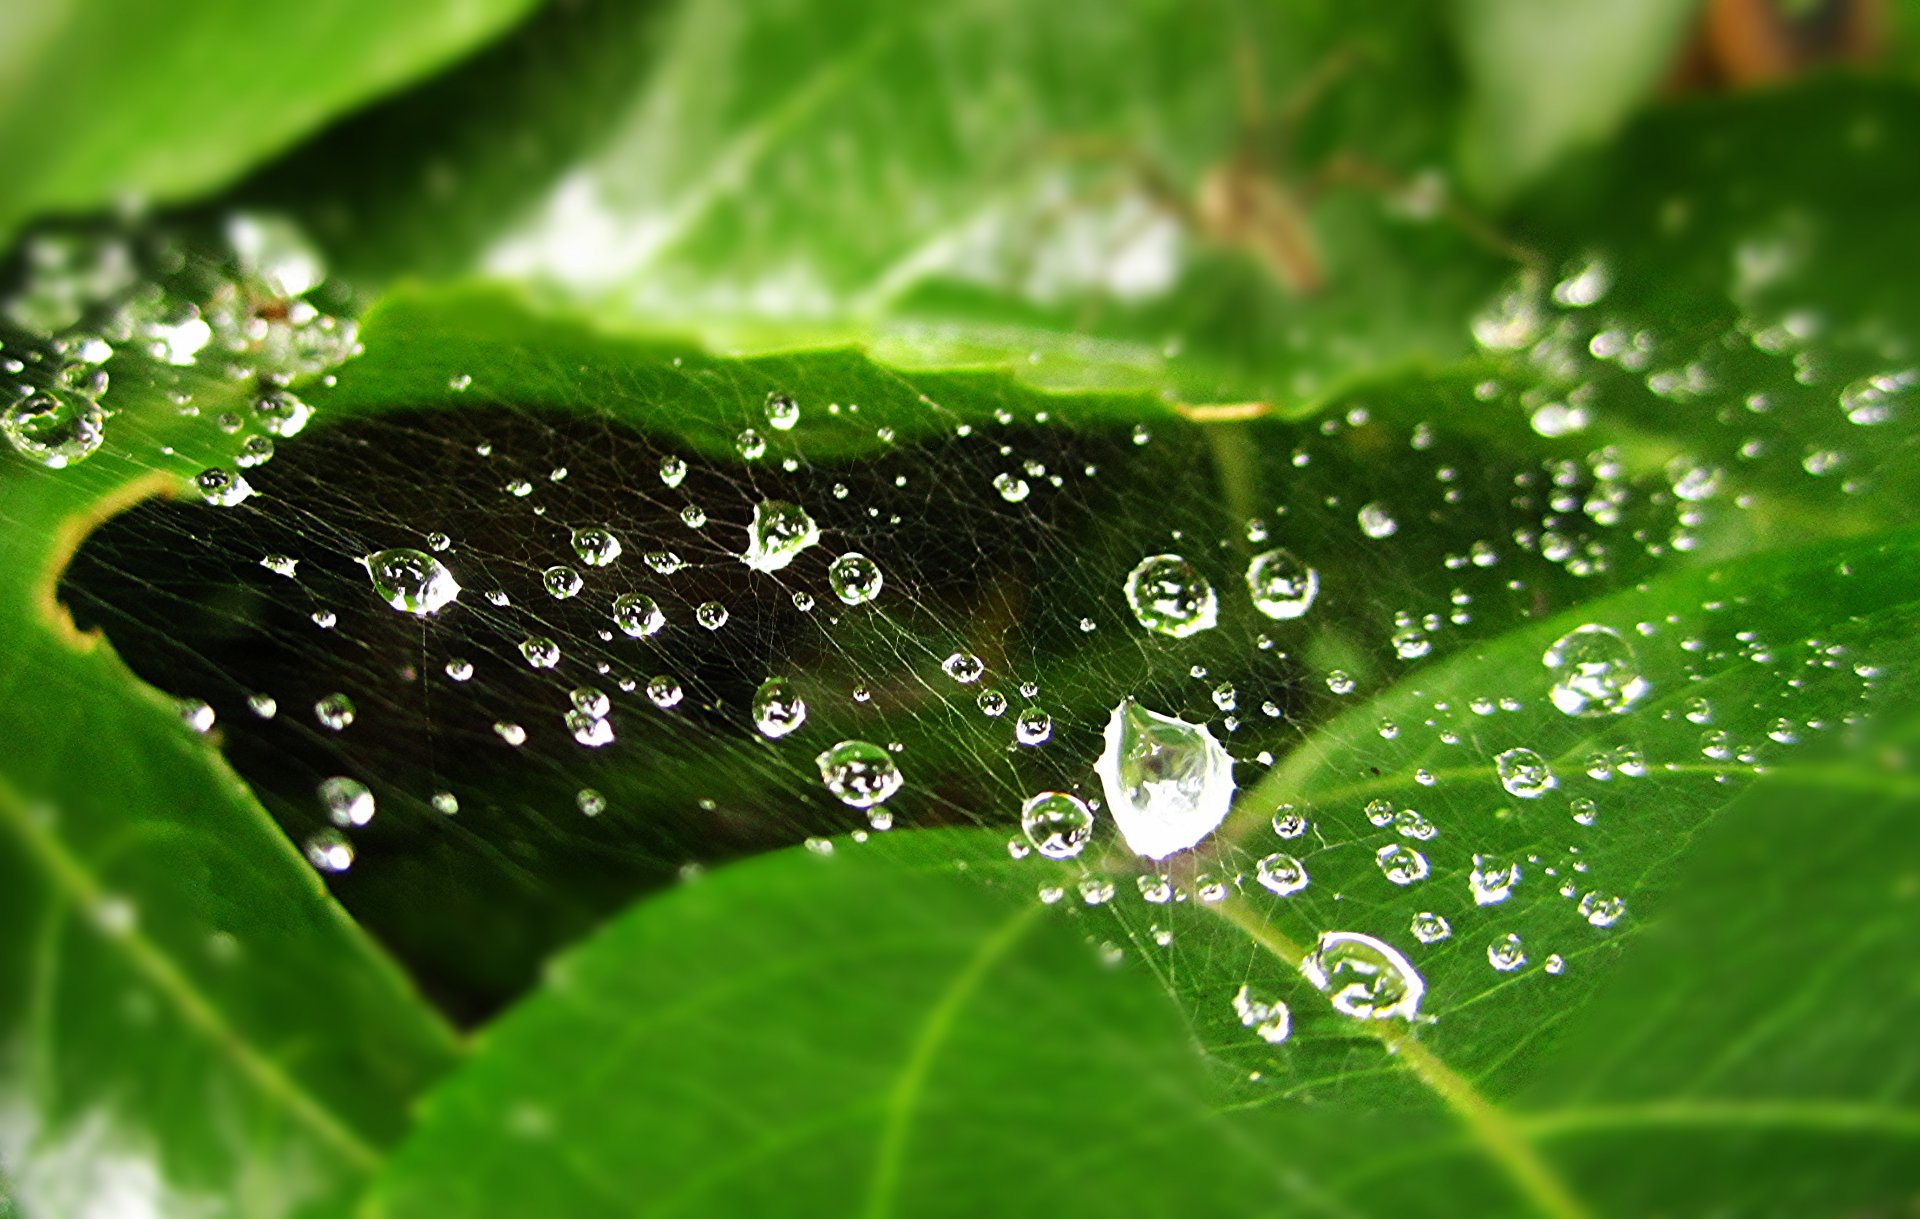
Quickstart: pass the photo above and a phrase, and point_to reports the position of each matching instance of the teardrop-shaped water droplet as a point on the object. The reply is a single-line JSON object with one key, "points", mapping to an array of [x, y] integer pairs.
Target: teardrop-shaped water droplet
{"points": [[859, 773], [1282, 586], [637, 615], [779, 532], [1595, 672], [1365, 978], [411, 581], [1168, 783], [347, 801], [1169, 596], [778, 708], [1058, 824], [855, 578]]}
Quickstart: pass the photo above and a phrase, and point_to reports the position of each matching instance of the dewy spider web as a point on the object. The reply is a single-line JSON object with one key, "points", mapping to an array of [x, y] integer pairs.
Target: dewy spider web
{"points": [[1004, 524]]}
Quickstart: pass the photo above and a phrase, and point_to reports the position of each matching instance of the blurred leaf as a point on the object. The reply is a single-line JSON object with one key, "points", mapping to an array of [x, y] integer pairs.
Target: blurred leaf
{"points": [[189, 1022], [102, 100], [1552, 77], [863, 1033]]}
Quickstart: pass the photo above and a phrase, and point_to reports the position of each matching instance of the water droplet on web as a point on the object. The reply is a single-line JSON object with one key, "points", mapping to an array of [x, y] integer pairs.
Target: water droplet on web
{"points": [[1341, 682], [1282, 586], [1377, 521], [637, 615], [410, 581], [1364, 978], [196, 714], [750, 445], [596, 545], [590, 730], [263, 705], [1409, 823], [589, 701], [519, 488], [1155, 889], [1288, 823], [1602, 909], [860, 774], [1554, 964], [693, 516], [590, 802], [54, 429], [1584, 810], [1169, 596], [328, 850], [1524, 773], [664, 562], [1058, 824], [782, 412], [1011, 487], [1033, 727], [855, 578], [1267, 1017], [1506, 953], [459, 669], [280, 565], [222, 487], [779, 532], [562, 583], [254, 451], [673, 471], [778, 708], [512, 733], [1430, 928], [992, 703], [664, 691], [1167, 783], [335, 711], [1595, 672], [1282, 874], [445, 803], [1401, 864], [347, 801], [540, 652], [710, 614], [281, 413], [1492, 879], [964, 667]]}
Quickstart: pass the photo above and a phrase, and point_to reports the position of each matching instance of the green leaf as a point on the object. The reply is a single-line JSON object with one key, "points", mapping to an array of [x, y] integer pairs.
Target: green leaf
{"points": [[1550, 78], [187, 1017], [99, 101], [870, 1033]]}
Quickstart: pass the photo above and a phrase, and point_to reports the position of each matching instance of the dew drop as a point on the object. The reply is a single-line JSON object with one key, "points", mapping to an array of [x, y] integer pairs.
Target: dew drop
{"points": [[673, 471], [782, 412], [992, 703], [1601, 909], [562, 583], [1168, 783], [1288, 823], [1033, 727], [860, 774], [1524, 773], [590, 802], [664, 691], [411, 581], [710, 614], [779, 532], [1267, 1017], [347, 801], [55, 429], [1401, 864], [778, 708], [1169, 596], [335, 711], [1058, 824], [1596, 672], [638, 615], [1506, 954], [596, 545], [1365, 978], [1282, 874], [1377, 521], [750, 445], [964, 667], [1011, 487], [222, 487], [281, 413], [328, 850], [459, 669], [1492, 879], [1282, 586], [540, 652], [855, 578], [1430, 928]]}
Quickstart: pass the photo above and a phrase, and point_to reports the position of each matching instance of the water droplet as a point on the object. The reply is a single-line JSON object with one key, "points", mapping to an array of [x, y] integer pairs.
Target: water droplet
{"points": [[855, 578], [1341, 682], [1584, 810], [1033, 727], [1408, 823], [664, 691], [1401, 864], [1377, 522], [693, 516], [221, 487], [589, 701], [750, 445], [1554, 964], [992, 703], [803, 601], [1268, 1018], [1506, 954], [1596, 672], [1365, 978], [1058, 824], [411, 581], [779, 532], [513, 734], [255, 451], [673, 471], [1524, 773], [328, 850], [1873, 400], [1011, 487], [590, 730], [1492, 879], [347, 801], [1169, 596], [54, 429], [637, 615], [263, 705], [459, 669], [859, 773], [445, 803], [1282, 586], [1168, 783], [1282, 874], [1602, 909], [710, 614], [335, 711], [1288, 823], [596, 545], [280, 565], [778, 708], [590, 802], [782, 412], [562, 583], [964, 667], [196, 714], [1430, 928], [281, 413], [540, 652]]}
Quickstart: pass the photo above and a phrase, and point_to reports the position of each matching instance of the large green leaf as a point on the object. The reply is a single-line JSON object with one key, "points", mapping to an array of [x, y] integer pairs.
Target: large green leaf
{"points": [[870, 1033], [190, 1024], [101, 100]]}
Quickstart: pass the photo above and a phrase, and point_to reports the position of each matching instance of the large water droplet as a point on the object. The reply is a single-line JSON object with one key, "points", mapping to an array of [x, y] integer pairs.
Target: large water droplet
{"points": [[860, 773], [782, 412], [778, 708], [596, 545], [1168, 595], [1282, 586], [964, 667], [637, 614], [347, 801], [54, 429], [1492, 879], [855, 578], [779, 532], [1058, 824], [562, 583], [1524, 773], [1596, 672], [1365, 978], [1168, 783], [411, 581]]}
